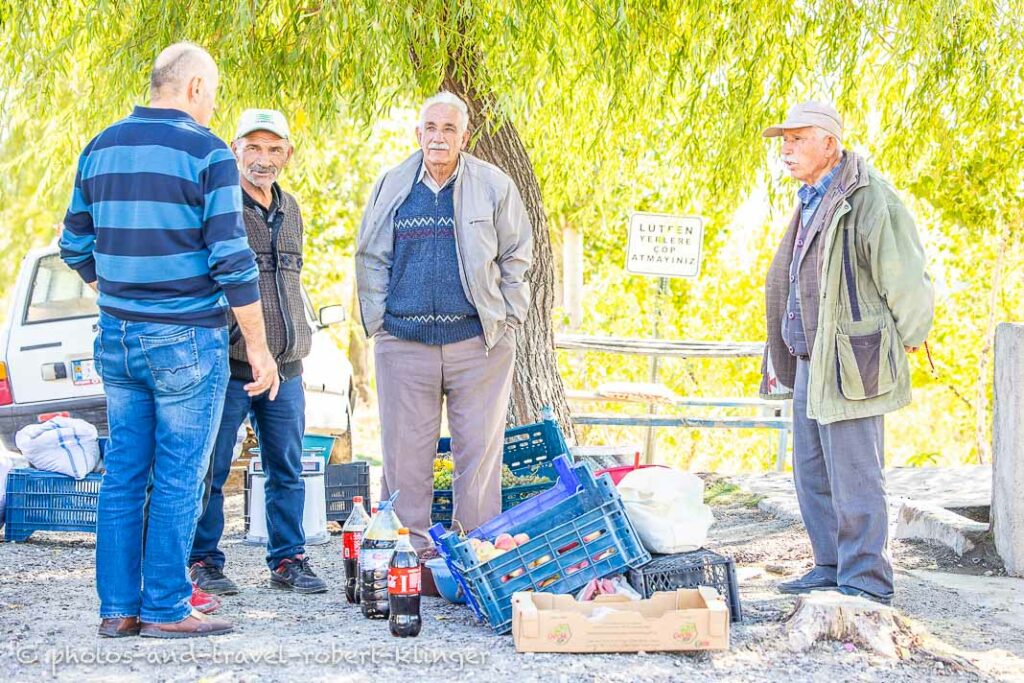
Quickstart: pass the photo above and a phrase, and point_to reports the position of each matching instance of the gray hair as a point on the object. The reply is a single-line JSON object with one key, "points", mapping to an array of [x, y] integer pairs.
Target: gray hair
{"points": [[822, 134], [177, 64], [452, 100]]}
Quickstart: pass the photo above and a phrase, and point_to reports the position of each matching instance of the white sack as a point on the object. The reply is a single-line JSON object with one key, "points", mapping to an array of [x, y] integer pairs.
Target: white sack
{"points": [[667, 509], [62, 444]]}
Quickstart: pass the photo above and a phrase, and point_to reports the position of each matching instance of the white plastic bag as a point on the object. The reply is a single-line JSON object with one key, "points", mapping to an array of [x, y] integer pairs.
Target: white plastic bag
{"points": [[61, 444], [667, 509]]}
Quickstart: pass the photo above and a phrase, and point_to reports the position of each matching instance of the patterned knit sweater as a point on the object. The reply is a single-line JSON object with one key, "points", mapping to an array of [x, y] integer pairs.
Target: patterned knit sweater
{"points": [[426, 302]]}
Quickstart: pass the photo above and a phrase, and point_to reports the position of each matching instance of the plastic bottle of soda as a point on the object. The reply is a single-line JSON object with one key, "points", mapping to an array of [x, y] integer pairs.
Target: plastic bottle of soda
{"points": [[351, 541], [374, 556], [404, 589]]}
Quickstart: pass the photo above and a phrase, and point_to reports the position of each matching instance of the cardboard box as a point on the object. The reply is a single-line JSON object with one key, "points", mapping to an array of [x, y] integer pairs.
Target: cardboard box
{"points": [[686, 619]]}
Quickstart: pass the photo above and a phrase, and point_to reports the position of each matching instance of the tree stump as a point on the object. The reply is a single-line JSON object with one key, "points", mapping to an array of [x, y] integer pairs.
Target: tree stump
{"points": [[826, 615]]}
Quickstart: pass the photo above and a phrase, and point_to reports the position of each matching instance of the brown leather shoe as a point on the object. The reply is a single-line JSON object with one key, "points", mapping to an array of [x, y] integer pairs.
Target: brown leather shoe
{"points": [[119, 627], [192, 626]]}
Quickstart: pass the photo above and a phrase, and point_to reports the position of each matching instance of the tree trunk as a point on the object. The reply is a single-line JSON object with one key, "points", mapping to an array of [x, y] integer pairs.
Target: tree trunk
{"points": [[537, 382], [359, 353]]}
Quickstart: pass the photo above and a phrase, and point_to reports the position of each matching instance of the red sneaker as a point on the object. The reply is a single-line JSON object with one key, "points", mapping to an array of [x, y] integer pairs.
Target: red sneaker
{"points": [[203, 601]]}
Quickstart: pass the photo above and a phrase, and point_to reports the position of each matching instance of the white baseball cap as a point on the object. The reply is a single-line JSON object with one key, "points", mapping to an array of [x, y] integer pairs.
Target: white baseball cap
{"points": [[270, 120], [808, 114]]}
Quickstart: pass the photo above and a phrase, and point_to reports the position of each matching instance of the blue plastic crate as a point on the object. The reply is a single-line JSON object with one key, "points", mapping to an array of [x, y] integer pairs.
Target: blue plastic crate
{"points": [[324, 442], [47, 501], [307, 451], [528, 449], [578, 531]]}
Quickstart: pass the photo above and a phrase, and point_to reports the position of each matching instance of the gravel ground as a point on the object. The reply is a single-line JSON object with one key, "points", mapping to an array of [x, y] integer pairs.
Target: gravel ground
{"points": [[48, 606]]}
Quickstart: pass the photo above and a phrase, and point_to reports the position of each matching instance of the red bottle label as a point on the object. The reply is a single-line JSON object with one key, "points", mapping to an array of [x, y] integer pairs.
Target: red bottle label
{"points": [[404, 581], [350, 543]]}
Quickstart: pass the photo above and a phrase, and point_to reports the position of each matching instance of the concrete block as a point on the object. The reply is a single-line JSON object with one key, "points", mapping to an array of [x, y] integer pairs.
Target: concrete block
{"points": [[1008, 447], [927, 522]]}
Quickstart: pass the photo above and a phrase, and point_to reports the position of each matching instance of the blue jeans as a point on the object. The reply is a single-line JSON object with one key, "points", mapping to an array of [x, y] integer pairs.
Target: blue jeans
{"points": [[279, 425], [165, 392]]}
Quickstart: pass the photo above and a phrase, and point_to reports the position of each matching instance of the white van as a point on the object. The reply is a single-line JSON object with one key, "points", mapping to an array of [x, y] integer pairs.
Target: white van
{"points": [[46, 364]]}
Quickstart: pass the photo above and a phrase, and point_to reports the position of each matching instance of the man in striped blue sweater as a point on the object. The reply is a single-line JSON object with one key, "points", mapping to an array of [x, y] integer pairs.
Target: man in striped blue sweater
{"points": [[155, 225]]}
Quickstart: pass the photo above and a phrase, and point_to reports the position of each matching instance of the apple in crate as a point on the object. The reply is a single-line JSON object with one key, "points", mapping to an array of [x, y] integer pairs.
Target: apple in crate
{"points": [[521, 539], [514, 574], [485, 551], [538, 562], [504, 542]]}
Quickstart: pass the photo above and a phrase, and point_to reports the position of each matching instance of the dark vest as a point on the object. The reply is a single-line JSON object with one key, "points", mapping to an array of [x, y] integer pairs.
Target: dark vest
{"points": [[289, 336]]}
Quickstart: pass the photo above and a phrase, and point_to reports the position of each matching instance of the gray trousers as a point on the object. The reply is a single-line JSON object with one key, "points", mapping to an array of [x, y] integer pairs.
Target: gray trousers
{"points": [[412, 381], [840, 486]]}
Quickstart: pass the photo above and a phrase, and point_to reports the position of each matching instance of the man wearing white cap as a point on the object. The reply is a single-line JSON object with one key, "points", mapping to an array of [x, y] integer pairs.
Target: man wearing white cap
{"points": [[273, 224], [847, 298]]}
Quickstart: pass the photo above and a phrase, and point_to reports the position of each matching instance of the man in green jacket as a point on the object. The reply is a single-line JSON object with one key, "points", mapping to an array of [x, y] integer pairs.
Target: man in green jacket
{"points": [[847, 299]]}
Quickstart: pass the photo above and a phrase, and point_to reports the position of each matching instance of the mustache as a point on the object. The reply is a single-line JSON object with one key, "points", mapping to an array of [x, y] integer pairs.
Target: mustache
{"points": [[438, 145], [261, 168]]}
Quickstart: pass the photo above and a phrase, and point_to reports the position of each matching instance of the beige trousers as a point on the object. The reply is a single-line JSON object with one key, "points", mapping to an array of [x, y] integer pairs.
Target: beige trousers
{"points": [[412, 381]]}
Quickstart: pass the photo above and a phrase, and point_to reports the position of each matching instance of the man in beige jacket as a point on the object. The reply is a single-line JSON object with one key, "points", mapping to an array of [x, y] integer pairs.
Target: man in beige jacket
{"points": [[441, 264]]}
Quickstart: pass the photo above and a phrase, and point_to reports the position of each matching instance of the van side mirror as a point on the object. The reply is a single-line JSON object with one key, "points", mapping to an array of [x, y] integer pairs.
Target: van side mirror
{"points": [[332, 315]]}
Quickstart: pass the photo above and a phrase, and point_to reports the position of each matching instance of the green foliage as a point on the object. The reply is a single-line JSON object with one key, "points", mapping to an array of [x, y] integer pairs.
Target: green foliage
{"points": [[721, 493], [622, 106]]}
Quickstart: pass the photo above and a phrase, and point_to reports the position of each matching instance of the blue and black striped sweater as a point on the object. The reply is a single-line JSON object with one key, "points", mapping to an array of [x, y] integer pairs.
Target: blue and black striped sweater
{"points": [[156, 219]]}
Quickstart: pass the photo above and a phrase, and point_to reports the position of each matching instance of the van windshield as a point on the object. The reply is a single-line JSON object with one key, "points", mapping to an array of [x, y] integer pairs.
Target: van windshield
{"points": [[58, 293]]}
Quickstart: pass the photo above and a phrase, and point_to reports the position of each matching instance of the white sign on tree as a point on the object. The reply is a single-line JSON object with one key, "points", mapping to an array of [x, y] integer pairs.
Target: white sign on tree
{"points": [[664, 245]]}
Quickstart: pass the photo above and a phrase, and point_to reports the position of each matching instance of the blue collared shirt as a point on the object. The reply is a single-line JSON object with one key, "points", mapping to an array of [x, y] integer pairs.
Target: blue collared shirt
{"points": [[811, 195]]}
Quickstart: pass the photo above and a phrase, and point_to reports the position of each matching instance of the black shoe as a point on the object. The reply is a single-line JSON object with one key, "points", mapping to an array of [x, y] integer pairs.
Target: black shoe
{"points": [[294, 573], [811, 581], [211, 579], [858, 593]]}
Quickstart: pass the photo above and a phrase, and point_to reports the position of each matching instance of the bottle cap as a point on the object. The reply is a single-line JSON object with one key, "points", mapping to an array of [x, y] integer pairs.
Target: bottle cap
{"points": [[357, 499], [403, 531]]}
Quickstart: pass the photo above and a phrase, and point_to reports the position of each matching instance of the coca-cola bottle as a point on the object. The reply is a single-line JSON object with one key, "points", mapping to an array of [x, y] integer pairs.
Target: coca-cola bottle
{"points": [[404, 589], [351, 541], [374, 556]]}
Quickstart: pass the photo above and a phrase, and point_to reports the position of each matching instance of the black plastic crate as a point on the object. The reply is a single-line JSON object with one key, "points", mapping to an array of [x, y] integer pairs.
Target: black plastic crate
{"points": [[689, 570], [342, 483]]}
